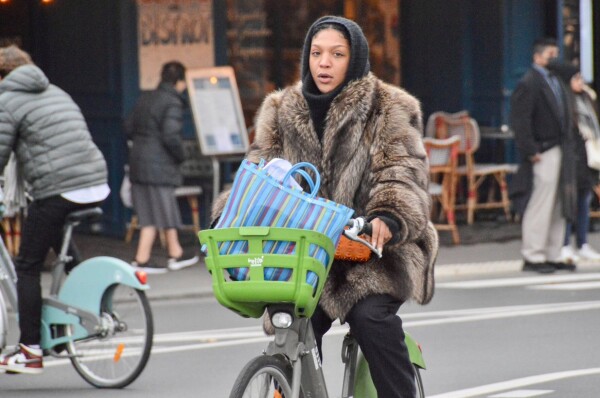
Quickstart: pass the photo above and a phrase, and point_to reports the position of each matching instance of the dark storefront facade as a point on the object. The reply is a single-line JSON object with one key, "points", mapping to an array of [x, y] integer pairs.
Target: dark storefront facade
{"points": [[452, 55]]}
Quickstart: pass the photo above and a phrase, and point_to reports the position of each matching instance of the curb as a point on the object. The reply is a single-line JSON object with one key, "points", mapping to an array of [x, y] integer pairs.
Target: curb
{"points": [[479, 268], [178, 296], [493, 267]]}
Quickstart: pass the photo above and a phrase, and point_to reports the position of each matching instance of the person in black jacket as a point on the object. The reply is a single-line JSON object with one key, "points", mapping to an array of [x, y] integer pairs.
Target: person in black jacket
{"points": [[542, 119], [587, 178], [154, 130]]}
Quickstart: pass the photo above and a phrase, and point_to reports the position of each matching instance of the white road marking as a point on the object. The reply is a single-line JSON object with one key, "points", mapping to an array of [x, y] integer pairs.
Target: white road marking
{"points": [[569, 286], [517, 383], [550, 309], [494, 267], [480, 310], [519, 281], [521, 394], [481, 267]]}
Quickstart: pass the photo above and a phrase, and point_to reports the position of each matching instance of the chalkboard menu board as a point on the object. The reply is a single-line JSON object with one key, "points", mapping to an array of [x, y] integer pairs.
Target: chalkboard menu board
{"points": [[217, 111]]}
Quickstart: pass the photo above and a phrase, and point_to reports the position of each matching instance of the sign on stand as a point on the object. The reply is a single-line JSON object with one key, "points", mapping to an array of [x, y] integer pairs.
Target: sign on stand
{"points": [[218, 116]]}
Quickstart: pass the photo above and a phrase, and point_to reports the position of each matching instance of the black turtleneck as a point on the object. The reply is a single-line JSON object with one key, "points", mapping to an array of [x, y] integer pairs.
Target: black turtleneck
{"points": [[318, 103]]}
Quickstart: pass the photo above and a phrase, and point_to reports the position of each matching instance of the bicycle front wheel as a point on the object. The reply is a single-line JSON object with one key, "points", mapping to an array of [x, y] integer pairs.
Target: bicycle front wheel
{"points": [[117, 355], [264, 377]]}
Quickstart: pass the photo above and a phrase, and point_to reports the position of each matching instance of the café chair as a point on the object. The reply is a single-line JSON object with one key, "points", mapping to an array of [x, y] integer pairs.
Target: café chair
{"points": [[443, 161], [445, 125], [431, 129]]}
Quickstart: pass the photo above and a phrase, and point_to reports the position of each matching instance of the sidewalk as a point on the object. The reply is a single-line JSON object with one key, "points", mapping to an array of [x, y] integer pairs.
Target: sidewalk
{"points": [[483, 258]]}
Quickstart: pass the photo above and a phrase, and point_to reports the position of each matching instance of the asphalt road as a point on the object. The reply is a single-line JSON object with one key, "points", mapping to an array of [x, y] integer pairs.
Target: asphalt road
{"points": [[496, 335]]}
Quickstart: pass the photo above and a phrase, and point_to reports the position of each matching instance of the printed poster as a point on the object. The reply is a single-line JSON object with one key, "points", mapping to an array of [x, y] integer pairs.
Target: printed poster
{"points": [[173, 30]]}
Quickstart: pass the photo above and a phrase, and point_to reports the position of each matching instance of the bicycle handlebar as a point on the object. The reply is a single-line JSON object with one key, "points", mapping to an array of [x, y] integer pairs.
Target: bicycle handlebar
{"points": [[358, 226]]}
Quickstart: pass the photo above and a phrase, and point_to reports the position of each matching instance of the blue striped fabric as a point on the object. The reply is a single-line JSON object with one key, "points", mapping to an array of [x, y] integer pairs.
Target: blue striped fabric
{"points": [[258, 199]]}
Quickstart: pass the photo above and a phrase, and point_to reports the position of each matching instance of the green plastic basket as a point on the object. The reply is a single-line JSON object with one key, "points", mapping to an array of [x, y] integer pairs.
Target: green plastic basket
{"points": [[249, 297]]}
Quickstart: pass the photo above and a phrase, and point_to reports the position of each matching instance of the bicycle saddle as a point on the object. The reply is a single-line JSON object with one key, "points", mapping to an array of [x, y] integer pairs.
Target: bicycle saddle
{"points": [[80, 215]]}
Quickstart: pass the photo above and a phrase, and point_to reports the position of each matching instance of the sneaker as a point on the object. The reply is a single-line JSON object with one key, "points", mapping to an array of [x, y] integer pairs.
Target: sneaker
{"points": [[588, 253], [149, 267], [24, 360], [175, 264], [568, 255]]}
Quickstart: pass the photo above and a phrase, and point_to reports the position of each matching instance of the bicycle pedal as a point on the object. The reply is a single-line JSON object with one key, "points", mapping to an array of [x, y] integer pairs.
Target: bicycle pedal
{"points": [[60, 354]]}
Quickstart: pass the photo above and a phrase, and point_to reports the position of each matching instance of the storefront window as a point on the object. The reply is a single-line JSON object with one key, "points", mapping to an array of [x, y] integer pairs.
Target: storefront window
{"points": [[570, 31], [265, 39]]}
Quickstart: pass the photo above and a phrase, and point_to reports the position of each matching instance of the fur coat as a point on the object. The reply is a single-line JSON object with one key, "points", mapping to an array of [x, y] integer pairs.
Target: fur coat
{"points": [[371, 159]]}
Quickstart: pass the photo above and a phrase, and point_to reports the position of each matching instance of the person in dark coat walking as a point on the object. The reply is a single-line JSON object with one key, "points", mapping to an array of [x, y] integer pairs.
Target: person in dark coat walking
{"points": [[154, 130], [541, 117], [66, 172], [588, 129]]}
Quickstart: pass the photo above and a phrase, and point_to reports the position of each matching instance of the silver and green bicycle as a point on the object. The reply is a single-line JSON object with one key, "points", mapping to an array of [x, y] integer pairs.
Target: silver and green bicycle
{"points": [[290, 366]]}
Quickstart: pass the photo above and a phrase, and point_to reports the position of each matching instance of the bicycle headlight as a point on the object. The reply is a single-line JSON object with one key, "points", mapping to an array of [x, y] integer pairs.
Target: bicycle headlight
{"points": [[282, 320]]}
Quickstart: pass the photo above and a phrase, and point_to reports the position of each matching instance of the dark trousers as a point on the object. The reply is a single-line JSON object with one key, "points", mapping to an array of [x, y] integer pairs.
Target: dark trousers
{"points": [[379, 333], [42, 230], [582, 225]]}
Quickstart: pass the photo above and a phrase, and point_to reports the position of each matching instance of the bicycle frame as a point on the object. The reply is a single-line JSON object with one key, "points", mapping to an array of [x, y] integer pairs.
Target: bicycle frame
{"points": [[75, 302], [286, 300], [297, 343], [8, 286], [80, 297]]}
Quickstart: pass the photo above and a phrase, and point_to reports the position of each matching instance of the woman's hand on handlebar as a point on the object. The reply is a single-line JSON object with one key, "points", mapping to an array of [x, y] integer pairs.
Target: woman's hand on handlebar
{"points": [[381, 234]]}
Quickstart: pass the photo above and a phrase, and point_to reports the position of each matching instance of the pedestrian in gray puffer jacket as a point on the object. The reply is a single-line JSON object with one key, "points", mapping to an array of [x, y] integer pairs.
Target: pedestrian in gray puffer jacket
{"points": [[66, 171]]}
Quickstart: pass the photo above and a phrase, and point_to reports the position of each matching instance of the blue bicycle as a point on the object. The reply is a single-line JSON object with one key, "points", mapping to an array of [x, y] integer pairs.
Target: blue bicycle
{"points": [[97, 315]]}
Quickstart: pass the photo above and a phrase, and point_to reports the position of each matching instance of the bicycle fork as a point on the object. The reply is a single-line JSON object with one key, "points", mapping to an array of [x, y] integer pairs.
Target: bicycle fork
{"points": [[297, 343]]}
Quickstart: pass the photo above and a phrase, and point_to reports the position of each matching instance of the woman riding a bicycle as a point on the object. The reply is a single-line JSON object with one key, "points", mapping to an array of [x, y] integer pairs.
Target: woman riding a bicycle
{"points": [[364, 136]]}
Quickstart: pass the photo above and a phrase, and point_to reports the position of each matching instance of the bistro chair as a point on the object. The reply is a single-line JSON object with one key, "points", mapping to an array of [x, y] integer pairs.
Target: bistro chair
{"points": [[11, 228], [443, 161], [431, 125], [459, 124]]}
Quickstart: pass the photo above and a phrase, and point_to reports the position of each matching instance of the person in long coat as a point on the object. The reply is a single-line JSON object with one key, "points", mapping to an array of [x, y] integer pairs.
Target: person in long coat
{"points": [[544, 188], [154, 130], [588, 129], [364, 136]]}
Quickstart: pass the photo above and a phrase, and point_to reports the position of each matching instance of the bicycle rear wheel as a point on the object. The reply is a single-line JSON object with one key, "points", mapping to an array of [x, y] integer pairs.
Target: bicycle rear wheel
{"points": [[264, 377], [117, 355]]}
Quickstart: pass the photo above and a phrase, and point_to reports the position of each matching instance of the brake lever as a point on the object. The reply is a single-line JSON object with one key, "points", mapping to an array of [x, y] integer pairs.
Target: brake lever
{"points": [[358, 224]]}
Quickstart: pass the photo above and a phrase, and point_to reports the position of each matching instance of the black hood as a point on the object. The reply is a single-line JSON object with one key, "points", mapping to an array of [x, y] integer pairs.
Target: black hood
{"points": [[359, 48]]}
